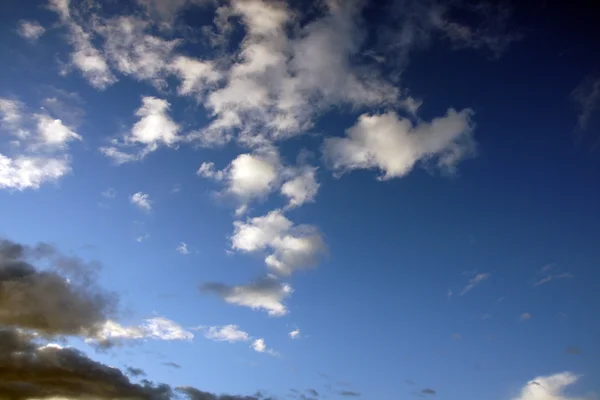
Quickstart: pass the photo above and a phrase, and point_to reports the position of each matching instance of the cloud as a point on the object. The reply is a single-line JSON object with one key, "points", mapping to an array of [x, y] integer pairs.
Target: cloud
{"points": [[154, 128], [394, 145], [301, 188], [587, 98], [142, 238], [172, 365], [195, 394], [109, 193], [295, 334], [266, 293], [525, 316], [429, 391], [227, 333], [549, 274], [291, 247], [196, 76], [474, 281], [260, 347], [550, 387], [30, 30], [40, 151], [182, 249], [135, 372], [31, 371], [34, 299], [141, 200], [348, 393], [573, 350]]}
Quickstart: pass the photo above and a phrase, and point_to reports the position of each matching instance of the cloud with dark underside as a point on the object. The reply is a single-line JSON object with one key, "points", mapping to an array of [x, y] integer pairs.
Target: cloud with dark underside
{"points": [[57, 300]]}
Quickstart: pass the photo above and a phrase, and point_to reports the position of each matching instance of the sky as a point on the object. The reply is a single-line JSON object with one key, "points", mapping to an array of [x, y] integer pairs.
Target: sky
{"points": [[256, 199]]}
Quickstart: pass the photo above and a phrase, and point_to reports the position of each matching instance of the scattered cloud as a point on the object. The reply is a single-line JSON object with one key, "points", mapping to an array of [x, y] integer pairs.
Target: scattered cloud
{"points": [[428, 391], [474, 281], [394, 145], [171, 364], [227, 333], [348, 393], [295, 334], [183, 249], [141, 200], [142, 238], [30, 30], [291, 247], [156, 328], [301, 188], [260, 347], [525, 316], [266, 293], [549, 387], [587, 98], [154, 128], [109, 193], [135, 372], [548, 273]]}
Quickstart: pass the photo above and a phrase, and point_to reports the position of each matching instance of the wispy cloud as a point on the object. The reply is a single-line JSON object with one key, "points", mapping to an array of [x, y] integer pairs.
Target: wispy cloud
{"points": [[182, 249], [474, 281]]}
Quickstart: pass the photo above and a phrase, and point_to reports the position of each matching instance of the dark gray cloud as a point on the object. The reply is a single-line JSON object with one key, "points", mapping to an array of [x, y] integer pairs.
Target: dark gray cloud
{"points": [[348, 393], [195, 394], [171, 364], [429, 391], [29, 370], [135, 372], [60, 299]]}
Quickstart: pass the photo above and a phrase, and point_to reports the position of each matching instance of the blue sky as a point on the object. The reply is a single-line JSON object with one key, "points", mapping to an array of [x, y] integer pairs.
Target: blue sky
{"points": [[333, 200]]}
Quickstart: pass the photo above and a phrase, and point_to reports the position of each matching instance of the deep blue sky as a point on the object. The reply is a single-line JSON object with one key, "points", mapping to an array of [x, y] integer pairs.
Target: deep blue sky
{"points": [[381, 294]]}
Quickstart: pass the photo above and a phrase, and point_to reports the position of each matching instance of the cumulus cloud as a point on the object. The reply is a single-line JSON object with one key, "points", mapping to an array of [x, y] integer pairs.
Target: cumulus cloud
{"points": [[260, 347], [550, 387], [157, 328], [302, 187], [141, 200], [291, 247], [474, 281], [30, 30], [196, 76], [266, 293], [154, 128], [40, 151], [295, 334], [394, 145]]}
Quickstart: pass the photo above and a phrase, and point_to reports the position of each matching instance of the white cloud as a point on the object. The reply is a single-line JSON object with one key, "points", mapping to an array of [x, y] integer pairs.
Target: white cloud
{"points": [[292, 247], [295, 334], [141, 200], [134, 52], [474, 281], [29, 172], [550, 387], [88, 59], [109, 193], [260, 347], [301, 188], [53, 132], [587, 97], [196, 76], [154, 128], [157, 328], [227, 333], [30, 30], [142, 238], [394, 145], [264, 294], [183, 249]]}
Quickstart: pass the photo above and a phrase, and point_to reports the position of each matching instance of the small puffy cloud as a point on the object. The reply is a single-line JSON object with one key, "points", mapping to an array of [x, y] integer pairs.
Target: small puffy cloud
{"points": [[154, 128], [30, 30], [550, 387], [295, 334], [525, 316], [30, 172], [53, 132], [394, 145], [260, 347], [266, 293], [141, 200], [301, 188], [291, 247], [227, 333], [474, 281], [183, 249]]}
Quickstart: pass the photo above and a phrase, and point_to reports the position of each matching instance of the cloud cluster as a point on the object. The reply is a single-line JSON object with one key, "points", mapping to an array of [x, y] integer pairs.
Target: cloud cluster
{"points": [[550, 387], [39, 147], [30, 30]]}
